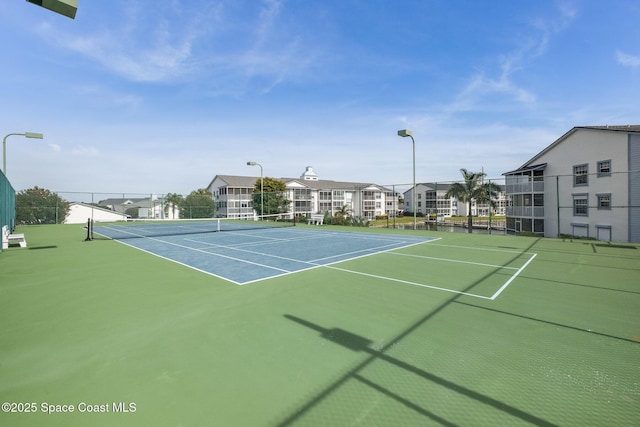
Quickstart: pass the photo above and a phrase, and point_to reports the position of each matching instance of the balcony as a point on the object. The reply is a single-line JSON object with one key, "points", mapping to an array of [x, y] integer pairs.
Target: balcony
{"points": [[525, 187], [526, 211]]}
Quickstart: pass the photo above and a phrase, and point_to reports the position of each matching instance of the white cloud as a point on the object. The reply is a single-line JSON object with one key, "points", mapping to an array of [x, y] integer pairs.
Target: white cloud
{"points": [[55, 147], [83, 151], [483, 87], [628, 60]]}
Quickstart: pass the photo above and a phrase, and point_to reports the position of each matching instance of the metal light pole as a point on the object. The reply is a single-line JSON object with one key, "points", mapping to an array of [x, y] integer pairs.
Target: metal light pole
{"points": [[4, 146], [261, 186], [404, 133]]}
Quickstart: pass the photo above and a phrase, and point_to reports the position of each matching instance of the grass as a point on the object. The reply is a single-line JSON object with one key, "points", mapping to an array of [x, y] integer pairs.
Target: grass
{"points": [[102, 324]]}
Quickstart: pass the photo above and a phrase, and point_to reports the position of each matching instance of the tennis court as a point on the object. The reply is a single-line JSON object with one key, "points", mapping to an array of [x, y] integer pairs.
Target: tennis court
{"points": [[415, 328], [252, 252]]}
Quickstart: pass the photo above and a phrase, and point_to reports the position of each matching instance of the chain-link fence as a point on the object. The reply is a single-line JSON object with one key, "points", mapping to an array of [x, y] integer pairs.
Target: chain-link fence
{"points": [[602, 206], [441, 205], [7, 206], [38, 206]]}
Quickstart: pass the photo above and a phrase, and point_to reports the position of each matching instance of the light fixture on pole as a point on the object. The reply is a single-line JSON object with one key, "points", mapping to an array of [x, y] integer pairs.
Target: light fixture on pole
{"points": [[404, 133], [66, 8], [261, 186], [4, 146]]}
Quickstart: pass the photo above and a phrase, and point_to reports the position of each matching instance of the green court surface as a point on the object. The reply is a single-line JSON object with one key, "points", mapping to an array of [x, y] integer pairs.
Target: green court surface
{"points": [[466, 330]]}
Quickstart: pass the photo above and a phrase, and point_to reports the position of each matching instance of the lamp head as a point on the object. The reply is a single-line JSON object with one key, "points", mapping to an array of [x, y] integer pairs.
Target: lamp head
{"points": [[404, 133], [251, 163], [33, 135]]}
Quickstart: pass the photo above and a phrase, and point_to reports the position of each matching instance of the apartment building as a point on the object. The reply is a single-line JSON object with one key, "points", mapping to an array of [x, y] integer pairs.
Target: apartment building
{"points": [[430, 199], [309, 195], [585, 184]]}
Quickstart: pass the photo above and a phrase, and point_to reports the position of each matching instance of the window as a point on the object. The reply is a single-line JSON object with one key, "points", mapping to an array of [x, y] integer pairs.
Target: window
{"points": [[604, 201], [580, 176], [604, 168], [580, 205]]}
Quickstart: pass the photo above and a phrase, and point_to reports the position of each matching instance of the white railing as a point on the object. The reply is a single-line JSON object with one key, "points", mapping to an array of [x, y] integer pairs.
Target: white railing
{"points": [[526, 211]]}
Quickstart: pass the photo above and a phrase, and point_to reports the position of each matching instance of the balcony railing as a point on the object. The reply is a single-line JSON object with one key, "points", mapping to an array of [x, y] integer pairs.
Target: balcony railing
{"points": [[526, 211], [525, 187]]}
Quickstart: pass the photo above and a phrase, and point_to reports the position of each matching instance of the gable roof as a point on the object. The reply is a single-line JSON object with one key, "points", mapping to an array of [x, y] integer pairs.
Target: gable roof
{"points": [[236, 181], [326, 184], [607, 128]]}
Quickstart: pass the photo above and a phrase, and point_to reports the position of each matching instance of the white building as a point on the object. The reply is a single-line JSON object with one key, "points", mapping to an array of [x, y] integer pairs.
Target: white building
{"points": [[585, 184], [151, 207], [309, 195], [430, 199], [79, 213]]}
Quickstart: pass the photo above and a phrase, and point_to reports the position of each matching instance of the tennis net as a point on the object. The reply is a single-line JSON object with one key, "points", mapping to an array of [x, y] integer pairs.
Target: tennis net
{"points": [[138, 228]]}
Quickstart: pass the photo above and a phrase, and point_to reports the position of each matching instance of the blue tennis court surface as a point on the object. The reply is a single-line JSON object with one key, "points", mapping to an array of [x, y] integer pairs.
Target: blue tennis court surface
{"points": [[248, 256]]}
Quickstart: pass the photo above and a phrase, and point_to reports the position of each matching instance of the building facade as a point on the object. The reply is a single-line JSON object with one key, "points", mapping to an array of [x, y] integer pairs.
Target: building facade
{"points": [[308, 195], [152, 207], [431, 200], [585, 184]]}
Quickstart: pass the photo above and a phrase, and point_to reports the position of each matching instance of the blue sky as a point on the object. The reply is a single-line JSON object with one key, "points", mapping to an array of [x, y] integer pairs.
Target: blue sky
{"points": [[161, 95]]}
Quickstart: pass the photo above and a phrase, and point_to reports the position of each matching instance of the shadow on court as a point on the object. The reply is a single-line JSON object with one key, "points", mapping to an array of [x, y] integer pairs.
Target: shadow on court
{"points": [[358, 343]]}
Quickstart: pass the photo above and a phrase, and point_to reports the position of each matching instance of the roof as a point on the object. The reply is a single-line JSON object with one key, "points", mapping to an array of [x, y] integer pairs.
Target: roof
{"points": [[326, 184], [119, 201], [606, 128], [320, 184], [619, 128], [526, 169], [436, 186], [237, 181]]}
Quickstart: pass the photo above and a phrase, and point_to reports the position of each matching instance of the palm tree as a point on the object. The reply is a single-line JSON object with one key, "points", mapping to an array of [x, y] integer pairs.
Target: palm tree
{"points": [[172, 202], [342, 216], [472, 189]]}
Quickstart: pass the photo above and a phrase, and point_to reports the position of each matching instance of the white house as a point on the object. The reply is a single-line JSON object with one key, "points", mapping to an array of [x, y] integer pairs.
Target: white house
{"points": [[585, 184], [152, 207], [80, 212]]}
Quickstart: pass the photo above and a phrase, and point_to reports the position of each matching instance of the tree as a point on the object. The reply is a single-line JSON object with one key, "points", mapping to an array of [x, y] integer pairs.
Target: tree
{"points": [[342, 216], [472, 189], [272, 197], [40, 206], [198, 204], [172, 205]]}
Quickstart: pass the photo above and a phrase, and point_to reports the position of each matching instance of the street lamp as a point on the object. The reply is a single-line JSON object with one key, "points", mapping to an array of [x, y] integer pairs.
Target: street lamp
{"points": [[66, 8], [261, 187], [404, 133], [4, 146]]}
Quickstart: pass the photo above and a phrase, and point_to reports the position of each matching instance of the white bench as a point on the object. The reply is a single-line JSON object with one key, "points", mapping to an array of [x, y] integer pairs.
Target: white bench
{"points": [[18, 238], [316, 219], [7, 238]]}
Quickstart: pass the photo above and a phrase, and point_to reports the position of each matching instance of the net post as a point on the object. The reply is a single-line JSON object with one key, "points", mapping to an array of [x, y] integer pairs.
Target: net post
{"points": [[89, 230]]}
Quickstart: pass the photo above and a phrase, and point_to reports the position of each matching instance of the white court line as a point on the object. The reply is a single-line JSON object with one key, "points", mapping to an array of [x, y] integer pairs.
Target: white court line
{"points": [[513, 251], [208, 253], [491, 298], [284, 272], [512, 278], [236, 248], [407, 282], [379, 249], [173, 260], [453, 260]]}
